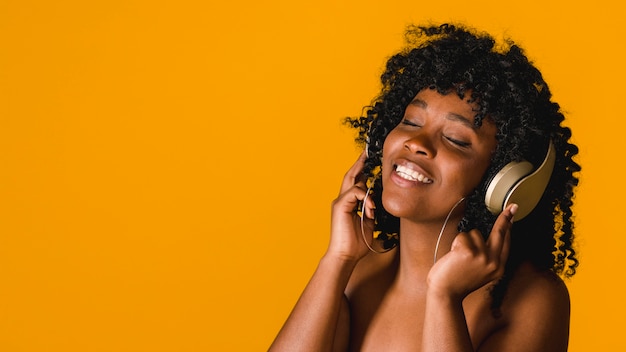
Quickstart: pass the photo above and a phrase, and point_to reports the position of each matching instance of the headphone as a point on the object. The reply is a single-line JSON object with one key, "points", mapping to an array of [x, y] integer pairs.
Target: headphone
{"points": [[517, 183]]}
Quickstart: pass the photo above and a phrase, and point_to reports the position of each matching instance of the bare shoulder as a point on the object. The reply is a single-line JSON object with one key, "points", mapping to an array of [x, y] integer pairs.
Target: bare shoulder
{"points": [[536, 313], [536, 292]]}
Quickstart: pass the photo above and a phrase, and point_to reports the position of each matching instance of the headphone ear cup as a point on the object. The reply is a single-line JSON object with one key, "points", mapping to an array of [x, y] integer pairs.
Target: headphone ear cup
{"points": [[515, 184], [503, 182]]}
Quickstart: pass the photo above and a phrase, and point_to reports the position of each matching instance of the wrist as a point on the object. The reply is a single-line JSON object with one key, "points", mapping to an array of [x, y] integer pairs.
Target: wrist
{"points": [[340, 260], [338, 268], [444, 296]]}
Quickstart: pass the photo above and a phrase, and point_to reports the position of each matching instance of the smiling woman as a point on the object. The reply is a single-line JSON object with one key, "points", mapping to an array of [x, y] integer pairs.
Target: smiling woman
{"points": [[455, 109], [436, 136]]}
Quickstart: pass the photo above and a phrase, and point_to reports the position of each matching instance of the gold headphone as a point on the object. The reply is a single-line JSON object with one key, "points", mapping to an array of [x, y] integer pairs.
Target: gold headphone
{"points": [[517, 183]]}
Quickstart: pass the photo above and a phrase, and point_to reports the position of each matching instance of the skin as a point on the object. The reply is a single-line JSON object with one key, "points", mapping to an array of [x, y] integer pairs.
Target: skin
{"points": [[399, 301]]}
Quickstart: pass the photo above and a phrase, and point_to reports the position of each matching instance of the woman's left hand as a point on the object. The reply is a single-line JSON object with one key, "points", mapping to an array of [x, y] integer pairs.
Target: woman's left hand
{"points": [[473, 262]]}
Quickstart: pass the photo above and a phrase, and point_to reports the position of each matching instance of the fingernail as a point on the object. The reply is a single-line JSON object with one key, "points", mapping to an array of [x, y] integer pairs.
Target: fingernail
{"points": [[513, 208]]}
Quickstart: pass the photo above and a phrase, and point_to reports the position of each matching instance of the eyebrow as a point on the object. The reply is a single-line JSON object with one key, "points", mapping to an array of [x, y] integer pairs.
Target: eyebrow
{"points": [[450, 116], [460, 118], [418, 102]]}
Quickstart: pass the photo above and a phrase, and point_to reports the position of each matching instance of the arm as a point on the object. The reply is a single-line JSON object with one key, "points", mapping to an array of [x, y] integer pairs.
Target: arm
{"points": [[313, 323], [470, 264], [319, 321]]}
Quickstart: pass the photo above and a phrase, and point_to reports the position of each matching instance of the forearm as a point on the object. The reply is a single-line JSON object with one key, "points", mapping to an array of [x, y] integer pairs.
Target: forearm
{"points": [[445, 327], [312, 324]]}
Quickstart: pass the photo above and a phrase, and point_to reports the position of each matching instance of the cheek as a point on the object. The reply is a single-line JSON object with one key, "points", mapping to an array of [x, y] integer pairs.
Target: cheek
{"points": [[475, 172], [467, 175], [391, 141]]}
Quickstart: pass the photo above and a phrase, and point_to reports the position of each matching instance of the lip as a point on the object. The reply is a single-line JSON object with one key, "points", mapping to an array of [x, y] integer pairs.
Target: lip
{"points": [[402, 182]]}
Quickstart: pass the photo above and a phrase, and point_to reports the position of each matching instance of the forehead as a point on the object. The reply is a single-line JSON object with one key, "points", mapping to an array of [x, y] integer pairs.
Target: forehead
{"points": [[429, 98], [449, 105], [453, 108]]}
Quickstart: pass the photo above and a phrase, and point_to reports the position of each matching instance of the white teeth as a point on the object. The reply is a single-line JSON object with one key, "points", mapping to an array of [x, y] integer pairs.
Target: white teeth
{"points": [[411, 175]]}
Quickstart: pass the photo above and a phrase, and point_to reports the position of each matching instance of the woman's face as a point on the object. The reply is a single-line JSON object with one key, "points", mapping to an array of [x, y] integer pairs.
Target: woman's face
{"points": [[435, 156]]}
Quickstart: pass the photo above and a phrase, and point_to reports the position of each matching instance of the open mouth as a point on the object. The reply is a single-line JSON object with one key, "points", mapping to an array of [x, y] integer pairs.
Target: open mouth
{"points": [[411, 175]]}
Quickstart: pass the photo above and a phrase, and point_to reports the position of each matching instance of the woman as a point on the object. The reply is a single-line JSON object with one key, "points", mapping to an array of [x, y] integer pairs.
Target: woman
{"points": [[418, 260]]}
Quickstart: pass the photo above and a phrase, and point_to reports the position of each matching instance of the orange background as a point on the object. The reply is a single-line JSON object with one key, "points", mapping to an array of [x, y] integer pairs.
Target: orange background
{"points": [[167, 167]]}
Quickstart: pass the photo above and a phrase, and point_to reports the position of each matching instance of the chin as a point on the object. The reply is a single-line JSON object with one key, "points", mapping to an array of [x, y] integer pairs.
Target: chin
{"points": [[399, 207]]}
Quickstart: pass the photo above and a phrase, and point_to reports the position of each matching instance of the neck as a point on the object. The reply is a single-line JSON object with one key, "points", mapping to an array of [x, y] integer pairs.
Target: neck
{"points": [[418, 243]]}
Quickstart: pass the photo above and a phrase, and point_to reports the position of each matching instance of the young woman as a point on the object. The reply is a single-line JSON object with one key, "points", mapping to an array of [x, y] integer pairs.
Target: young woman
{"points": [[418, 259]]}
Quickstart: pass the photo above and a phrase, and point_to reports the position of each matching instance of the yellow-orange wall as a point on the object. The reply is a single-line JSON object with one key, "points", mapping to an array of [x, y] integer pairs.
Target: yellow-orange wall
{"points": [[167, 167]]}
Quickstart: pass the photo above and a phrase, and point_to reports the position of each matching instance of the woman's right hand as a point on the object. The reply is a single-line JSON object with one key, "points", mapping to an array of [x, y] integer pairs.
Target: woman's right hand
{"points": [[346, 240]]}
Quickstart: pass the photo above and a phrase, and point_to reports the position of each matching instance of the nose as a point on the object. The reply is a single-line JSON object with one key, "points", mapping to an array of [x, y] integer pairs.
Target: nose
{"points": [[420, 143]]}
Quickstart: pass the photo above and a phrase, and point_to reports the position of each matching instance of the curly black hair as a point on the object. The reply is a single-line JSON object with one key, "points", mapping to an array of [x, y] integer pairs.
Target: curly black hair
{"points": [[509, 90]]}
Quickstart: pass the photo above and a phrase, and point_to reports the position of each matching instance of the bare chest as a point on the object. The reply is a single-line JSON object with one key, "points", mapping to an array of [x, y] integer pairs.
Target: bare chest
{"points": [[394, 322], [389, 323]]}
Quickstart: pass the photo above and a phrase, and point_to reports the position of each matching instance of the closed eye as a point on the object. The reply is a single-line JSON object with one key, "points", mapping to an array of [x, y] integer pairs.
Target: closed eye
{"points": [[409, 123], [458, 142]]}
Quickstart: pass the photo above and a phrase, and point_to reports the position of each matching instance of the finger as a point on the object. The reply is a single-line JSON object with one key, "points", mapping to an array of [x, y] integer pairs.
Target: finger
{"points": [[353, 173], [505, 247], [507, 239], [501, 231], [478, 241], [463, 240], [348, 200], [369, 207]]}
